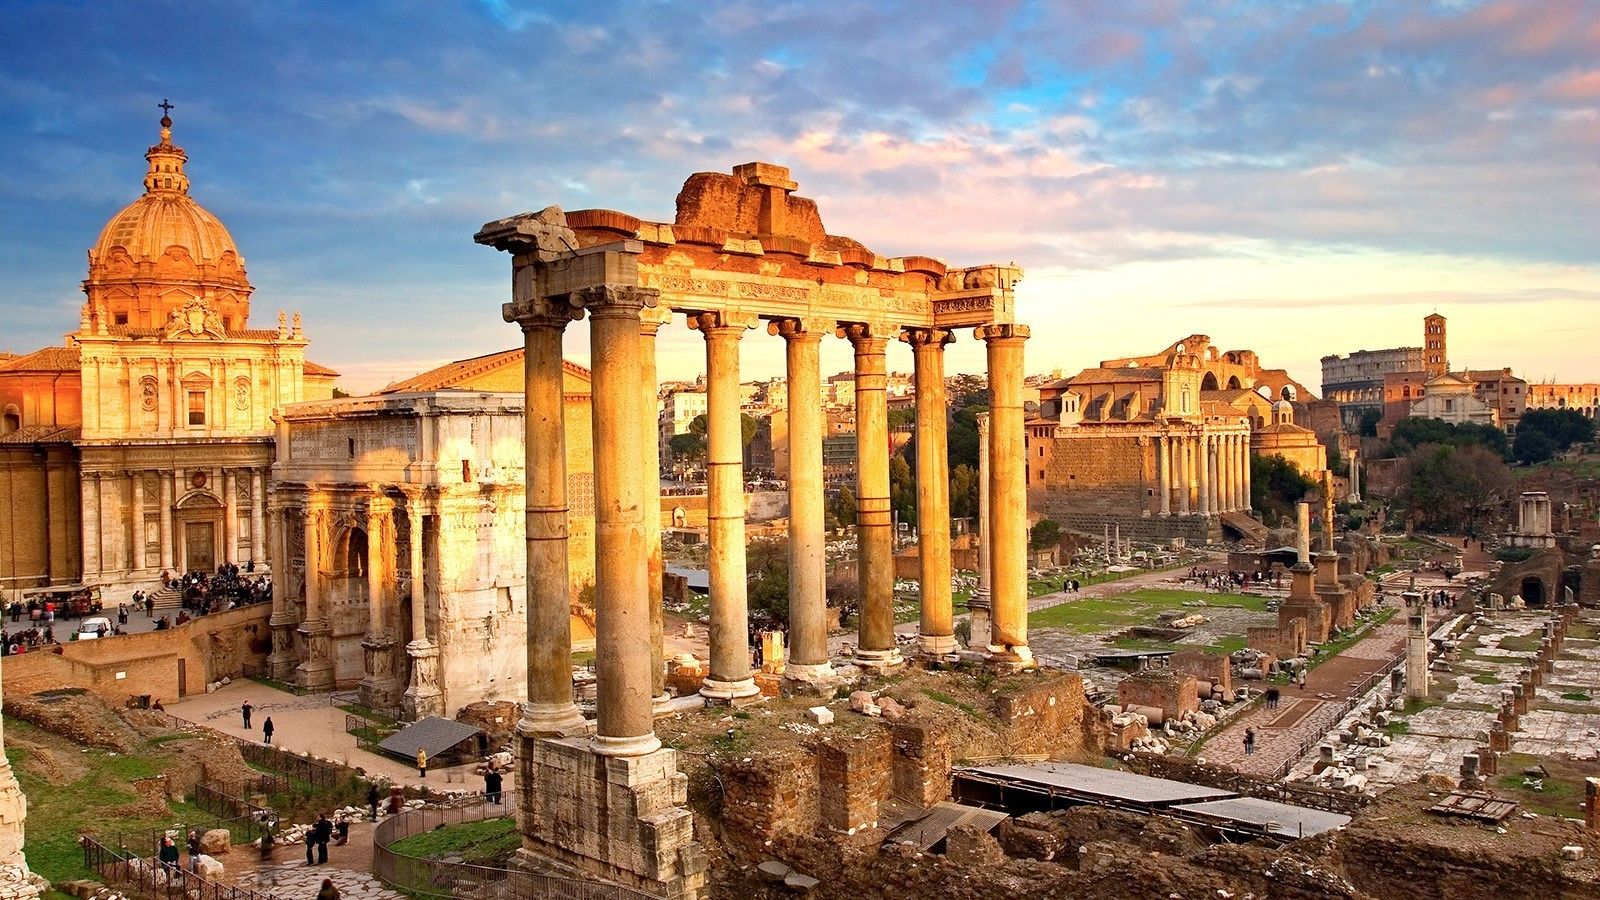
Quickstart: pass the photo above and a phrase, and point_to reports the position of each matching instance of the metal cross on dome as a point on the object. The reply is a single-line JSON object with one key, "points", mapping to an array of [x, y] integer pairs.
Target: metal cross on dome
{"points": [[166, 108]]}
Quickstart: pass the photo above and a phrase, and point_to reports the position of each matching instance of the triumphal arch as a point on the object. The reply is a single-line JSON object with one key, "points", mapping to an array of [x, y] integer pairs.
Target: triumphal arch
{"points": [[743, 250]]}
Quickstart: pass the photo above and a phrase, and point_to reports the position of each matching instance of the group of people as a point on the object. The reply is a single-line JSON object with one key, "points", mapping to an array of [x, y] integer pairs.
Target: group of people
{"points": [[30, 641], [228, 588], [1440, 599], [1231, 581]]}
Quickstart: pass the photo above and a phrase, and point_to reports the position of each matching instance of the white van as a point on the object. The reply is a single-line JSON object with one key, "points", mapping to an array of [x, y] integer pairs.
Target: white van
{"points": [[95, 627]]}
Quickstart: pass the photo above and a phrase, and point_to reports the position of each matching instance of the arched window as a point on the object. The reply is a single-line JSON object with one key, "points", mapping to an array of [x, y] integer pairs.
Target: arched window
{"points": [[11, 420]]}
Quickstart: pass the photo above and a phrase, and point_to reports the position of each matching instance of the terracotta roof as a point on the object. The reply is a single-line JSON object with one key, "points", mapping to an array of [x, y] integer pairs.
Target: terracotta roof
{"points": [[50, 359], [1122, 374], [42, 434], [312, 368], [1490, 375], [254, 334], [1283, 428], [451, 374]]}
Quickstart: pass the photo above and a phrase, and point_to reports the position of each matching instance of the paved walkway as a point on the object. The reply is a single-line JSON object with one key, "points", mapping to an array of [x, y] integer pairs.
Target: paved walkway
{"points": [[310, 723], [1308, 714]]}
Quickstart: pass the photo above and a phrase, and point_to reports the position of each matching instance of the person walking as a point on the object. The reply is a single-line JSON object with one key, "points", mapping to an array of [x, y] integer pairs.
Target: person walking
{"points": [[194, 850], [149, 605], [372, 799], [169, 852], [328, 892], [1272, 698], [422, 763], [1249, 741], [266, 730], [245, 710], [493, 781], [1300, 678]]}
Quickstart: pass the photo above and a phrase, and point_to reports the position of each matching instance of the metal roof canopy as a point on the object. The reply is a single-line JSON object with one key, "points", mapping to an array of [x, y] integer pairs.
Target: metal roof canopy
{"points": [[1096, 784], [433, 734], [926, 832], [1269, 816]]}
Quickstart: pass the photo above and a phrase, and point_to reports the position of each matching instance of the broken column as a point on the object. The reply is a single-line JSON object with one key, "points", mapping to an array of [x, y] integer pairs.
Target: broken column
{"points": [[1416, 645], [1303, 602], [1591, 803], [16, 881], [1519, 699], [1499, 740]]}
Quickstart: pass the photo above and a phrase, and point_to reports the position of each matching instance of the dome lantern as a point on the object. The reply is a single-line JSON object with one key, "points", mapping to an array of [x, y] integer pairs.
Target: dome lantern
{"points": [[166, 160]]}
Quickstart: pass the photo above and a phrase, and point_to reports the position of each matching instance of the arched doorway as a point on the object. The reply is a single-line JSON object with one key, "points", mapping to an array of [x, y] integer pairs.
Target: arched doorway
{"points": [[1533, 592], [1233, 383], [198, 524], [1209, 383]]}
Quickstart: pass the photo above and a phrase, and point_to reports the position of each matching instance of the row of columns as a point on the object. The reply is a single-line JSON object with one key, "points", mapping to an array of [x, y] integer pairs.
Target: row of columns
{"points": [[1205, 474], [100, 523], [624, 321]]}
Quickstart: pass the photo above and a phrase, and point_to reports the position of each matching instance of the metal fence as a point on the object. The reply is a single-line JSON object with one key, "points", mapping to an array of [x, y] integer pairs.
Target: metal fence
{"points": [[148, 878], [432, 878], [314, 772], [212, 799]]}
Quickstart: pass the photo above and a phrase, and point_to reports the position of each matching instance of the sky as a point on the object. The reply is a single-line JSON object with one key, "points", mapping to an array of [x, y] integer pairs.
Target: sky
{"points": [[1295, 177]]}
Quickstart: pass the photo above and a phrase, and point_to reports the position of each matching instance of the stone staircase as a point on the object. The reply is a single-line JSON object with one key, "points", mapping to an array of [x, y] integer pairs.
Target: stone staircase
{"points": [[167, 598], [1246, 527]]}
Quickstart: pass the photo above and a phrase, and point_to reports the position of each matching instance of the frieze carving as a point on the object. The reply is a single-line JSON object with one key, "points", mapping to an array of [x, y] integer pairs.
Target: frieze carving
{"points": [[147, 393], [981, 303]]}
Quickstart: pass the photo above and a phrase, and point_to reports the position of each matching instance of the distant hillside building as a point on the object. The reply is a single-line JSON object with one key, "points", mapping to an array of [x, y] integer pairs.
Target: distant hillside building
{"points": [[1362, 380]]}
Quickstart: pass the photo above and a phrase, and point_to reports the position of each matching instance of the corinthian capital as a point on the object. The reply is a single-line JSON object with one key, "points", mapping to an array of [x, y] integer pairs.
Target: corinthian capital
{"points": [[925, 337], [1001, 332], [541, 312], [610, 300]]}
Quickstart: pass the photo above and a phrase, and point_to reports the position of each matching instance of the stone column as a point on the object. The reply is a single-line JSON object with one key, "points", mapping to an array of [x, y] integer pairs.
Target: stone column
{"points": [[230, 516], [624, 725], [423, 696], [380, 688], [650, 323], [729, 676], [1208, 467], [875, 646], [982, 626], [1355, 474], [1163, 475], [808, 597], [89, 522], [549, 709], [16, 881], [1241, 451], [167, 500], [1248, 503], [1185, 449], [1008, 508], [136, 514], [316, 673], [1229, 474], [258, 502], [282, 660], [936, 634]]}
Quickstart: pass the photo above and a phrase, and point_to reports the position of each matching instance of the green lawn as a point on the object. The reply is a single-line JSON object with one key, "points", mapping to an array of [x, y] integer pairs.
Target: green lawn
{"points": [[1136, 607], [488, 840]]}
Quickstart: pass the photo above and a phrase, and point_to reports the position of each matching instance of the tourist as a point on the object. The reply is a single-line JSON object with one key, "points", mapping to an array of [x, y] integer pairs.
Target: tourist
{"points": [[156, 705], [328, 892], [342, 826], [1300, 678], [492, 782], [266, 731], [1272, 698], [321, 834], [422, 763], [169, 852], [194, 850], [149, 605], [1249, 741], [245, 709], [372, 799]]}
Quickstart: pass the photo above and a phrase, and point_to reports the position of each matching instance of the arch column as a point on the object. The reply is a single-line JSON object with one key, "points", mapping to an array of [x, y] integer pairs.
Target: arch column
{"points": [[283, 621], [624, 724], [423, 696], [230, 517], [936, 628], [1008, 499], [729, 677], [380, 689], [808, 600], [258, 500], [875, 645], [549, 708], [316, 673]]}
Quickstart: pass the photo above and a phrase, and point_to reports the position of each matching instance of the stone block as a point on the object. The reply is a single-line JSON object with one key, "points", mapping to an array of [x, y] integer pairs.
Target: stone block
{"points": [[216, 842], [820, 715], [208, 867]]}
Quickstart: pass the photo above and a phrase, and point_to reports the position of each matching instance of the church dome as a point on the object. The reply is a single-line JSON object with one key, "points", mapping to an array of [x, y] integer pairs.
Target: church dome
{"points": [[164, 250]]}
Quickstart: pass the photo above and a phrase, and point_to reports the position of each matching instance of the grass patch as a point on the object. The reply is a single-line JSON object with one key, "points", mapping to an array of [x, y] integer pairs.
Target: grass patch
{"points": [[948, 700], [1578, 696], [1415, 705], [370, 714], [1520, 643], [1138, 607], [487, 840], [1347, 640], [1486, 679], [1397, 728]]}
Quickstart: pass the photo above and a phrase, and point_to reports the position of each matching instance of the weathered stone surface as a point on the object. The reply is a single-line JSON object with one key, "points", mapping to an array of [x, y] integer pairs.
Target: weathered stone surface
{"points": [[216, 842]]}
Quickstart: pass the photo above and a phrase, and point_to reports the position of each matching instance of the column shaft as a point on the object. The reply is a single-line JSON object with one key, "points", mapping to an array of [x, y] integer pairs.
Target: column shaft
{"points": [[1184, 446], [982, 628], [166, 500], [377, 560], [1008, 509], [875, 646], [419, 605], [230, 516], [808, 600], [258, 502], [648, 326], [937, 625], [1163, 476], [136, 517], [1207, 463], [548, 649], [624, 724], [729, 677], [1249, 504]]}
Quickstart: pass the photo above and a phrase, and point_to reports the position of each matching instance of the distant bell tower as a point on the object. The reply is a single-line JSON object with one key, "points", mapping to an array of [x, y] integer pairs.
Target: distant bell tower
{"points": [[1435, 355]]}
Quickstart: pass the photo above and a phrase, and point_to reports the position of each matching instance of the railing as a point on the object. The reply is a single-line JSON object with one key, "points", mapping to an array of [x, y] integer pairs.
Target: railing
{"points": [[1350, 703], [432, 878], [213, 800], [317, 774], [149, 878]]}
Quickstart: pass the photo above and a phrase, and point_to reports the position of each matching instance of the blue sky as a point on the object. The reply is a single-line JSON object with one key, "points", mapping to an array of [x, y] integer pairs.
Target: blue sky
{"points": [[1296, 177]]}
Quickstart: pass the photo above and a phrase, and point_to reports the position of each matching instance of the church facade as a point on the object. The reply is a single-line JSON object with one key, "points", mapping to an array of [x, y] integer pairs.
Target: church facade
{"points": [[144, 442]]}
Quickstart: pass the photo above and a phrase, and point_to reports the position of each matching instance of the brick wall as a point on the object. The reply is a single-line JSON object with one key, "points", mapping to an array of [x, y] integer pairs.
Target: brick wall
{"points": [[1214, 668], [853, 774], [1172, 692], [770, 795], [209, 647], [920, 769]]}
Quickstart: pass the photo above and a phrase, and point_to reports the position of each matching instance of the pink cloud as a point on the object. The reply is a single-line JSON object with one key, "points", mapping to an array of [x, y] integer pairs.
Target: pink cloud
{"points": [[1578, 87]]}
